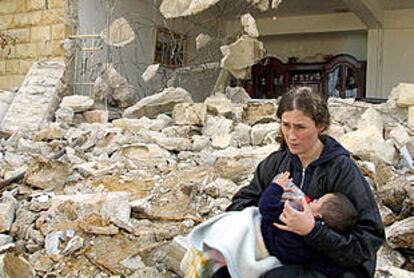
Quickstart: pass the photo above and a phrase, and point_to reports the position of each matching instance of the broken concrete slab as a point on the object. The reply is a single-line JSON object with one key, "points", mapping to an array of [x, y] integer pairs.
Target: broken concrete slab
{"points": [[405, 94], [146, 154], [401, 234], [371, 117], [110, 205], [159, 103], [46, 173], [6, 98], [241, 55], [5, 239], [113, 88], [249, 24], [175, 252], [166, 142], [64, 115], [389, 257], [237, 95], [150, 72], [96, 116], [49, 133], [217, 125], [411, 116], [37, 98], [393, 272], [256, 112], [241, 135], [178, 8], [262, 5], [219, 104], [119, 33], [16, 266], [202, 40], [368, 144], [263, 134], [7, 213], [77, 103], [190, 114]]}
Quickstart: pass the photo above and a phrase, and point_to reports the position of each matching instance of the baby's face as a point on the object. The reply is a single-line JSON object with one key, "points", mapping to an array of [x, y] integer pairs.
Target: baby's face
{"points": [[316, 205]]}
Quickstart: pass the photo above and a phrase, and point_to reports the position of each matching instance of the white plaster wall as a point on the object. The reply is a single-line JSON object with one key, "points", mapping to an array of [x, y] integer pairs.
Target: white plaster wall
{"points": [[398, 58], [391, 55], [309, 45]]}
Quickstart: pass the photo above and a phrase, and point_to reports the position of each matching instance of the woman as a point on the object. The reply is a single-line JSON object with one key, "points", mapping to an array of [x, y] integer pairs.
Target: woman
{"points": [[319, 165]]}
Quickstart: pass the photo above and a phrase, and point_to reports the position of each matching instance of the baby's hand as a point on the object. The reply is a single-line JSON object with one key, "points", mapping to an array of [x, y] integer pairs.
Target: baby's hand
{"points": [[282, 179]]}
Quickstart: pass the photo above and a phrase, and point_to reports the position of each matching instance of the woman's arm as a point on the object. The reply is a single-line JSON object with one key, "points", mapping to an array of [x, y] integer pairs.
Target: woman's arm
{"points": [[367, 235]]}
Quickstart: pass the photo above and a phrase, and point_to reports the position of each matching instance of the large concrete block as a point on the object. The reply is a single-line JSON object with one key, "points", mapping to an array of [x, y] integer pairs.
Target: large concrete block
{"points": [[405, 94], [411, 116], [7, 214]]}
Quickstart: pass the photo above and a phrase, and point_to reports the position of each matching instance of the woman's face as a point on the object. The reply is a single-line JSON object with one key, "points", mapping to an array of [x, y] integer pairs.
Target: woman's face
{"points": [[300, 132]]}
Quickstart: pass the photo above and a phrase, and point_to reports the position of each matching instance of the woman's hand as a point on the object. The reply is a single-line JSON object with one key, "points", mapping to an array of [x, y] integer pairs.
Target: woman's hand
{"points": [[298, 222]]}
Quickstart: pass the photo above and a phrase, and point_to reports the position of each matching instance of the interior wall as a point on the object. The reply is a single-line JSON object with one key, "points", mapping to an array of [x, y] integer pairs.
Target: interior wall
{"points": [[398, 58], [311, 45], [132, 60], [391, 58]]}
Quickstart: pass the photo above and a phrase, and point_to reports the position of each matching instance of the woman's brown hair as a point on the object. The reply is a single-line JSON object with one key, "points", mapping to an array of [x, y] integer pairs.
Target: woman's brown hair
{"points": [[310, 103]]}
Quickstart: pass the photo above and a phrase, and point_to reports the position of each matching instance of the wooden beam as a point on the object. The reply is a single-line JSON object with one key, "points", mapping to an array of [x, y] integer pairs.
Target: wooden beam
{"points": [[371, 12]]}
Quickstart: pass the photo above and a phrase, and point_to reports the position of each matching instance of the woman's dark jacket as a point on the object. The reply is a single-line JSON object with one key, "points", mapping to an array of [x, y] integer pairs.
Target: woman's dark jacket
{"points": [[288, 247], [334, 171]]}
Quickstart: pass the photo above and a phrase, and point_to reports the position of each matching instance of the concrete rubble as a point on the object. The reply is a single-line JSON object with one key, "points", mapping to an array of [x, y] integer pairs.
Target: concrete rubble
{"points": [[202, 40], [119, 33], [241, 55], [85, 185]]}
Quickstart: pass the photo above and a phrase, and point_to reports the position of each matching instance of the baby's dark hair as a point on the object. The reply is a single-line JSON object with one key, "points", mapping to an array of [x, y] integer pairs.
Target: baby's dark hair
{"points": [[339, 213]]}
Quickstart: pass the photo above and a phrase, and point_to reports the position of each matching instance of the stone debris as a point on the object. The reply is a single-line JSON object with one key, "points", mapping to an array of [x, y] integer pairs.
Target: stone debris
{"points": [[202, 40], [178, 8], [112, 88], [159, 103], [7, 214], [77, 103], [150, 72], [276, 3], [134, 187], [241, 55], [249, 24], [237, 95], [6, 98], [37, 98], [119, 33]]}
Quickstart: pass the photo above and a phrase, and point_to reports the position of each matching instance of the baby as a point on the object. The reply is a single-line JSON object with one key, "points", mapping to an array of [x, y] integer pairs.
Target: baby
{"points": [[334, 209]]}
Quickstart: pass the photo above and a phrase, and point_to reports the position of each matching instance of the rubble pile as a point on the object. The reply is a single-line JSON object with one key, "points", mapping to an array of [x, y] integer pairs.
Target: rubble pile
{"points": [[84, 197]]}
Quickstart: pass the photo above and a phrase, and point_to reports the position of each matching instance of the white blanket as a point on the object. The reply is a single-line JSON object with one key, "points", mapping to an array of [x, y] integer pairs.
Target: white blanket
{"points": [[237, 236]]}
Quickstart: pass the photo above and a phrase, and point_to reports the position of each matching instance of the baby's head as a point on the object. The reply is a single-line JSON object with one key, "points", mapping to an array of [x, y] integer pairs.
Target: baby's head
{"points": [[336, 210]]}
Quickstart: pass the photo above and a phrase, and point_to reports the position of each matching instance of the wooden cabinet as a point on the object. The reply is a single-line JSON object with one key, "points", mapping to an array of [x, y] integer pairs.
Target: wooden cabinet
{"points": [[341, 76]]}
